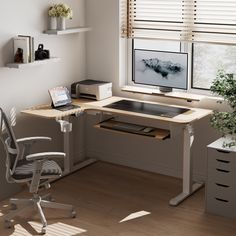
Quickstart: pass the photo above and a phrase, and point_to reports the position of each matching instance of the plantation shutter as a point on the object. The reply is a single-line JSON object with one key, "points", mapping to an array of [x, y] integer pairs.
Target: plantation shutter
{"points": [[182, 20]]}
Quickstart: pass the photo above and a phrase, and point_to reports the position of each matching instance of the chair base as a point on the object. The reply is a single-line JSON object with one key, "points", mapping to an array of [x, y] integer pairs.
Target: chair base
{"points": [[19, 205]]}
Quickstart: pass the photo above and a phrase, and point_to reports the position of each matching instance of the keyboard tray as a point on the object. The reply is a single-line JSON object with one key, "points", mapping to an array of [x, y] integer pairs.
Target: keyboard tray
{"points": [[118, 126]]}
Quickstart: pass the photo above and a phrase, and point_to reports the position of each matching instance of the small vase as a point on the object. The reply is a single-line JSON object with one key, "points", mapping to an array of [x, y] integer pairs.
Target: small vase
{"points": [[61, 23], [52, 24]]}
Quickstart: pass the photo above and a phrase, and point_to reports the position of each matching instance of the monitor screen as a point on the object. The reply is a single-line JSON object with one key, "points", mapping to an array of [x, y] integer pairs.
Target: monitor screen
{"points": [[159, 68], [60, 96]]}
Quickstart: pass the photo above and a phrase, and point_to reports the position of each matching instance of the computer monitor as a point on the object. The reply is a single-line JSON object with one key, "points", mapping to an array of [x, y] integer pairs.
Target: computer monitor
{"points": [[160, 68]]}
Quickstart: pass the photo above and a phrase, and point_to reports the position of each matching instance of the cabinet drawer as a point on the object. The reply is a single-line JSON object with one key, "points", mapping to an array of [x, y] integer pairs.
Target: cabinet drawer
{"points": [[222, 176], [221, 160], [220, 206], [221, 191]]}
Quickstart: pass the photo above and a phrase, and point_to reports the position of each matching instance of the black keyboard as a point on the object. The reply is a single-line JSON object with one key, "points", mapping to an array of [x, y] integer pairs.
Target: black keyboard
{"points": [[128, 127]]}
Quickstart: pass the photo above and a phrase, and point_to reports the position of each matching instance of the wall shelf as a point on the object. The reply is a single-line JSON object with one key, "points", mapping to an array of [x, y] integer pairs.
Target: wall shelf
{"points": [[67, 31], [35, 63]]}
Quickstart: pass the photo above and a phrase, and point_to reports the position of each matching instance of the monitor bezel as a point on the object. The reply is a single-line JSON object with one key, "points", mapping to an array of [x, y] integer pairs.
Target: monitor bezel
{"points": [[158, 85]]}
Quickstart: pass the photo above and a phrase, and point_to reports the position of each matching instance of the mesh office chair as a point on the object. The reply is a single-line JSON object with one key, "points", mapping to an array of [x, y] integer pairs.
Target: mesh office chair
{"points": [[34, 169]]}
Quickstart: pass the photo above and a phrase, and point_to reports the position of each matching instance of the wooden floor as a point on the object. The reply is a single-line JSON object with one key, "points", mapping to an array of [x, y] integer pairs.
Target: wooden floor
{"points": [[105, 194]]}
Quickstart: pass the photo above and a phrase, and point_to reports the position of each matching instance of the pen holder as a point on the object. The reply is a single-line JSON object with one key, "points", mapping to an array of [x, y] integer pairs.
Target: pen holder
{"points": [[65, 126]]}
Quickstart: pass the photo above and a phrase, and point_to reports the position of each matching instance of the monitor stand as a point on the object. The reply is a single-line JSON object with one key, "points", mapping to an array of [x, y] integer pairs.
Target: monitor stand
{"points": [[165, 89]]}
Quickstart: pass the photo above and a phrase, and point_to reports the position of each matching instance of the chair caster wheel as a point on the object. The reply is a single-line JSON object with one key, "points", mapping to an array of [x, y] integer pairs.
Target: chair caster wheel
{"points": [[73, 214], [43, 230], [7, 224]]}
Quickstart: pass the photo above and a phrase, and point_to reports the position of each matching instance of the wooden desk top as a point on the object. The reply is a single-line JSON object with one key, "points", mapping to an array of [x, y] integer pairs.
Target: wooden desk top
{"points": [[45, 111]]}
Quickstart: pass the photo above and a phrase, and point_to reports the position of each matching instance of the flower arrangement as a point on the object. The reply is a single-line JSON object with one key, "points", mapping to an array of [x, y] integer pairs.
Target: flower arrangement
{"points": [[52, 11], [225, 86], [60, 10]]}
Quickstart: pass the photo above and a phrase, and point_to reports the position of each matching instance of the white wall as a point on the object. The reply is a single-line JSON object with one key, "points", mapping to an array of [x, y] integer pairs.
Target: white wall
{"points": [[103, 64], [28, 87]]}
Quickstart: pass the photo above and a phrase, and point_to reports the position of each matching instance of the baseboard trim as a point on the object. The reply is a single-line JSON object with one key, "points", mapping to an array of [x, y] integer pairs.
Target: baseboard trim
{"points": [[159, 168], [79, 155]]}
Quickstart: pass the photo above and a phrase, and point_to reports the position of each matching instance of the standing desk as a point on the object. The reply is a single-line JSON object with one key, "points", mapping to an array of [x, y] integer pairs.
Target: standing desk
{"points": [[184, 120]]}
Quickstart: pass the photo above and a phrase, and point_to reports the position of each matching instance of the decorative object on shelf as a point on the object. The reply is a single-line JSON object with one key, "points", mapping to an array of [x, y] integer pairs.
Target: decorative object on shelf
{"points": [[63, 12], [225, 86], [18, 57], [52, 13], [58, 14], [21, 46], [41, 54], [23, 49], [52, 23], [61, 23]]}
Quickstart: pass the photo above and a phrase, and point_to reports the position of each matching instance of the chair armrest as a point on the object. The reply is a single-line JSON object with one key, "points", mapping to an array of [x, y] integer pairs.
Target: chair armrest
{"points": [[45, 155], [31, 140]]}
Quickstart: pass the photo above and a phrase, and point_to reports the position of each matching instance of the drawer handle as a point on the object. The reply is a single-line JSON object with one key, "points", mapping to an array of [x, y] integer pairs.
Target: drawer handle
{"points": [[221, 200], [223, 161], [222, 151], [225, 171], [222, 185]]}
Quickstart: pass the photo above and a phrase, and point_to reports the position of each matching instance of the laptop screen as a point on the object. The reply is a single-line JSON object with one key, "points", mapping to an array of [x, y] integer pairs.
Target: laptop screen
{"points": [[60, 96]]}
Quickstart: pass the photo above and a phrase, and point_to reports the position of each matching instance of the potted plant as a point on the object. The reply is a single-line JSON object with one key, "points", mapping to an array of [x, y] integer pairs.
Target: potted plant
{"points": [[52, 13], [63, 11], [225, 121]]}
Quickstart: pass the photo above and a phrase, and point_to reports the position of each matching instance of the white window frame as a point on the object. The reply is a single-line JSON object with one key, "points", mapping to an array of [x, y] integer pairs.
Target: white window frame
{"points": [[186, 47], [126, 61]]}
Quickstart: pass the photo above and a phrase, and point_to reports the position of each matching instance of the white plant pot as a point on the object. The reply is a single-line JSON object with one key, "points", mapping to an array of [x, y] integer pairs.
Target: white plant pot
{"points": [[52, 24], [229, 139], [61, 23]]}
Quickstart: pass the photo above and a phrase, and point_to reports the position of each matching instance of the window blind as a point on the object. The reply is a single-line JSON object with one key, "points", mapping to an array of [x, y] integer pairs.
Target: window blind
{"points": [[183, 20]]}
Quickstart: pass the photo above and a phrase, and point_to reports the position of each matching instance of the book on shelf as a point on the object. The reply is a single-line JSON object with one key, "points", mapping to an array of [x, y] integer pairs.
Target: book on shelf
{"points": [[23, 49]]}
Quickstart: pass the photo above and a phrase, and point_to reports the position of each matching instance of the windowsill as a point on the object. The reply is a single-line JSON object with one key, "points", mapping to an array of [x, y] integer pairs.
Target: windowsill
{"points": [[190, 97]]}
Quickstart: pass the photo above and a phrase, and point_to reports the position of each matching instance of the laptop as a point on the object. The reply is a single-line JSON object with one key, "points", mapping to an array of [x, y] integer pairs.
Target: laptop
{"points": [[61, 99]]}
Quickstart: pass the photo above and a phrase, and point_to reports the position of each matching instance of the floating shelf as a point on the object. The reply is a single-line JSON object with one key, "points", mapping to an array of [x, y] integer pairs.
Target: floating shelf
{"points": [[67, 31], [35, 63]]}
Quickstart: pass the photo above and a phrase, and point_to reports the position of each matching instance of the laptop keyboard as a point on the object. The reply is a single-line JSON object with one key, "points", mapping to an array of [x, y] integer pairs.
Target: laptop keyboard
{"points": [[67, 107]]}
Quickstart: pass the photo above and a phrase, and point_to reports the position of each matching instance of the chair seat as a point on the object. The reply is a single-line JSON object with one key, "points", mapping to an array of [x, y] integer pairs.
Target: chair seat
{"points": [[25, 169]]}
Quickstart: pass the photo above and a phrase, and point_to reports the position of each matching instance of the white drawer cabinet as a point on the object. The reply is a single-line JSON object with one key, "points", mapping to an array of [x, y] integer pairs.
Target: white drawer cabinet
{"points": [[221, 180]]}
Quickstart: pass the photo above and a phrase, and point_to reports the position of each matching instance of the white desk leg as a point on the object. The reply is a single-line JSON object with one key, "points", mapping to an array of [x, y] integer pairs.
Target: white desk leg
{"points": [[66, 128], [188, 187], [66, 144]]}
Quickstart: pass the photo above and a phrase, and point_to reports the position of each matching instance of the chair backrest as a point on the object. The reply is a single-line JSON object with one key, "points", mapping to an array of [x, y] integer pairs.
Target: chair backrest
{"points": [[10, 145]]}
